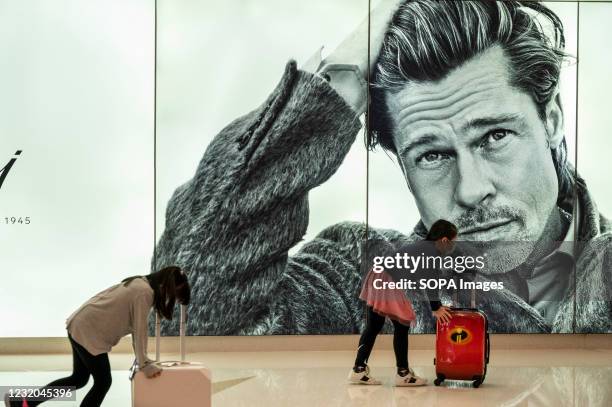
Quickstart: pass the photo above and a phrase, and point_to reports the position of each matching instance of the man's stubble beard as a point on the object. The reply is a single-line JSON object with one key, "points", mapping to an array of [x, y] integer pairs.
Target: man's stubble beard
{"points": [[520, 251]]}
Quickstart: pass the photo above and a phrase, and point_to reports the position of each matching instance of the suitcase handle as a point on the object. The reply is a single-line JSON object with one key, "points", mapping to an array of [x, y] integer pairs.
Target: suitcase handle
{"points": [[465, 309], [472, 298], [171, 363], [182, 330], [157, 336]]}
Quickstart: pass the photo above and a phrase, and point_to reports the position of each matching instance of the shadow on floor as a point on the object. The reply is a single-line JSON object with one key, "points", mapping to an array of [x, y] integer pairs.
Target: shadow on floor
{"points": [[226, 384]]}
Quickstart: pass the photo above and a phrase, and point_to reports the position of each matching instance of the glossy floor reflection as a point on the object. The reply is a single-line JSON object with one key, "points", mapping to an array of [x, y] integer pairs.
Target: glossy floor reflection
{"points": [[506, 386], [515, 378]]}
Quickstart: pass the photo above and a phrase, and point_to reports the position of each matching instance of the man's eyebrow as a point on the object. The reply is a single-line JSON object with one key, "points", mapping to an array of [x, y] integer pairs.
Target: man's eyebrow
{"points": [[491, 121], [419, 141]]}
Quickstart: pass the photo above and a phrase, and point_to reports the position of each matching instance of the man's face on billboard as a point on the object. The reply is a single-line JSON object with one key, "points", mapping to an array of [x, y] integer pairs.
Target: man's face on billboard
{"points": [[474, 151]]}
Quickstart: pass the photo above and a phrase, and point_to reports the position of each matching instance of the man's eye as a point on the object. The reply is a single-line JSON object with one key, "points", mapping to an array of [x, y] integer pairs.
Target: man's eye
{"points": [[495, 136], [432, 158]]}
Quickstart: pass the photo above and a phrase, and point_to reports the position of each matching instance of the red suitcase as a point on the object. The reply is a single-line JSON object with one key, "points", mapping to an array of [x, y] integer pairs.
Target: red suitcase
{"points": [[462, 347]]}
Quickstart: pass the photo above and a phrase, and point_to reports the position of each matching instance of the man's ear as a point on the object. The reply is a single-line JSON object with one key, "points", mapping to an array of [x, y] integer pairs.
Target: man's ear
{"points": [[554, 122]]}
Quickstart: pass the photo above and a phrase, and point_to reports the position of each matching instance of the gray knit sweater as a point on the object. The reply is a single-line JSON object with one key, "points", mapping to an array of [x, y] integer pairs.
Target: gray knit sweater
{"points": [[232, 226]]}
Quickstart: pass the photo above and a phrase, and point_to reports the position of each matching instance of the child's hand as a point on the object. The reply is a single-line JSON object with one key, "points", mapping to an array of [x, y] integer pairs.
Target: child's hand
{"points": [[152, 370], [443, 314]]}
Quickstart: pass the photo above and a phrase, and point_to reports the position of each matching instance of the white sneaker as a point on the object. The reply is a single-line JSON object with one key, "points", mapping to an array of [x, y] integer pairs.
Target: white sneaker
{"points": [[362, 377], [410, 380]]}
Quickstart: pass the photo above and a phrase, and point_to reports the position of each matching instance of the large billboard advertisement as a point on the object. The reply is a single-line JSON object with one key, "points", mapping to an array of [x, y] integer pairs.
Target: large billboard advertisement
{"points": [[295, 145]]}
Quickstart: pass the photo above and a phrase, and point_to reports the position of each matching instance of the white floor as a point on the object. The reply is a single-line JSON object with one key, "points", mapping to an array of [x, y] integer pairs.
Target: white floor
{"points": [[515, 378]]}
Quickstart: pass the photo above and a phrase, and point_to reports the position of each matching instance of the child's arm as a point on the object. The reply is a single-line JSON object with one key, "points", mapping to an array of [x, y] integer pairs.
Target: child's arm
{"points": [[140, 315]]}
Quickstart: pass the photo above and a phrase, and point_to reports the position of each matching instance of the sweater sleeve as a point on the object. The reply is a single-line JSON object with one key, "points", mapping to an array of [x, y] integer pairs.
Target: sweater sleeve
{"points": [[232, 225], [139, 312]]}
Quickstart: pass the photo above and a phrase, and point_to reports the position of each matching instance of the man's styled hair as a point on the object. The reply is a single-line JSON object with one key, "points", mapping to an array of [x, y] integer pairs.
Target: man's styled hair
{"points": [[427, 39]]}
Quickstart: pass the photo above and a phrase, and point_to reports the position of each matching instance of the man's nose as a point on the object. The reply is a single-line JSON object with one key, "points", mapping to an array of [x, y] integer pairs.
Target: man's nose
{"points": [[474, 186]]}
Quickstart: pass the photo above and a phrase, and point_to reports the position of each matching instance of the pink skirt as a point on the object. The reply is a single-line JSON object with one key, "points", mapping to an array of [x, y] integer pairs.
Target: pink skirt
{"points": [[390, 303]]}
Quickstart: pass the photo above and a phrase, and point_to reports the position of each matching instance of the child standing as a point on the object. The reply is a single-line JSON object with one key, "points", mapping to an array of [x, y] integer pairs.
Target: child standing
{"points": [[394, 304]]}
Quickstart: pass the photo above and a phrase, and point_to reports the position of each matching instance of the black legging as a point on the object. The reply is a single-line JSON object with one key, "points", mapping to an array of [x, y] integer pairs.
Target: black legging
{"points": [[84, 364], [374, 324]]}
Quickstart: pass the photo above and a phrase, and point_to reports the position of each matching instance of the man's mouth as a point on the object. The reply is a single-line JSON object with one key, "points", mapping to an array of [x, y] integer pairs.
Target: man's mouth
{"points": [[495, 230]]}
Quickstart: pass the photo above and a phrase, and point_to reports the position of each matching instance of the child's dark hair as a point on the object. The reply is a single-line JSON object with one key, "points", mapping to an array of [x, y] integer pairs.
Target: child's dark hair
{"points": [[442, 229], [169, 285]]}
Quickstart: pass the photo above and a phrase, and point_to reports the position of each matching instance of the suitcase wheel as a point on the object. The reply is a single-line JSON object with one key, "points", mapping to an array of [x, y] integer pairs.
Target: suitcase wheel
{"points": [[439, 380], [476, 383]]}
